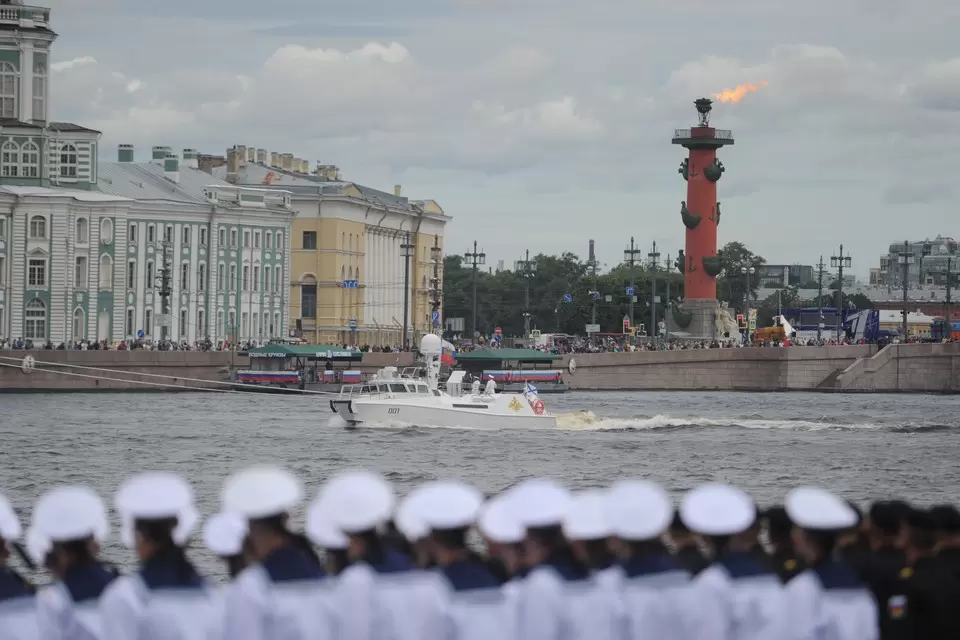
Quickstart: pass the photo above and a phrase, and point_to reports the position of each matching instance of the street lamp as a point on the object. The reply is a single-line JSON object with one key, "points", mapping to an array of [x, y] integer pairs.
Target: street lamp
{"points": [[475, 259], [747, 272], [406, 252], [632, 256], [905, 259], [840, 262], [654, 257], [526, 268]]}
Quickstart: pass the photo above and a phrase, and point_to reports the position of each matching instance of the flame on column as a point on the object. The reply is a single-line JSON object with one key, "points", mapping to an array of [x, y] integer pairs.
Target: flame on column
{"points": [[736, 94]]}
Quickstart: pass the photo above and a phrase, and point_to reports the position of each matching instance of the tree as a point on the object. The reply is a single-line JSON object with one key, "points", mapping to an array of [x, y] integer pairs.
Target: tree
{"points": [[731, 285]]}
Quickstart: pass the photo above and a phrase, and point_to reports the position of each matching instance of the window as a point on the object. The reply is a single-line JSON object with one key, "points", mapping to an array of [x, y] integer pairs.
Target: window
{"points": [[82, 231], [39, 86], [266, 279], [132, 233], [220, 280], [185, 235], [233, 277], [168, 233], [106, 272], [80, 273], [148, 322], [203, 236], [255, 328], [128, 326], [309, 239], [132, 274], [149, 280], [256, 239], [223, 237], [38, 228], [277, 278], [68, 161], [233, 238], [279, 241], [106, 231], [244, 323], [308, 300], [246, 239], [183, 323], [10, 159], [202, 277], [276, 329], [35, 320], [9, 90], [30, 160], [3, 275], [219, 329], [3, 227], [266, 323], [37, 273], [232, 322], [78, 324], [184, 276], [151, 233], [246, 277], [268, 241], [201, 324], [256, 278]]}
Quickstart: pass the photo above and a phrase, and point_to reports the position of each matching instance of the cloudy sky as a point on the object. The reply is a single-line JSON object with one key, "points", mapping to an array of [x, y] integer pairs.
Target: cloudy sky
{"points": [[541, 123]]}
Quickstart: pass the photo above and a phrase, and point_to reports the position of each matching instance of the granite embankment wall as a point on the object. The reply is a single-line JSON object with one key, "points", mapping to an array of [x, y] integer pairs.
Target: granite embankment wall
{"points": [[136, 370], [919, 368]]}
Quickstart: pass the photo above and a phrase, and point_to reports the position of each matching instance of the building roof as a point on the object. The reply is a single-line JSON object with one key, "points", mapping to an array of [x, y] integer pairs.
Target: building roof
{"points": [[875, 293], [15, 123], [69, 127], [504, 355], [55, 192], [318, 351]]}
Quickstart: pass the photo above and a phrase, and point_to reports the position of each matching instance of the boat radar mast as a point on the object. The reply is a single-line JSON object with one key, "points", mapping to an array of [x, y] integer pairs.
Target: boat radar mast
{"points": [[431, 347]]}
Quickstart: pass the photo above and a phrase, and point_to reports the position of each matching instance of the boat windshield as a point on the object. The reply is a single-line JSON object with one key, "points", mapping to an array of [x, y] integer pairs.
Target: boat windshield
{"points": [[374, 388]]}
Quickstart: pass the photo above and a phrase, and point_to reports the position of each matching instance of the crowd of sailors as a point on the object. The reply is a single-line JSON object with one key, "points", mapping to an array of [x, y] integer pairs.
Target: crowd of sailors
{"points": [[614, 564]]}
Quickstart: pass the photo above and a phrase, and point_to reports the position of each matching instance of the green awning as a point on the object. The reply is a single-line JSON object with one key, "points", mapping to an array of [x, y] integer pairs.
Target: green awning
{"points": [[310, 351], [505, 355]]}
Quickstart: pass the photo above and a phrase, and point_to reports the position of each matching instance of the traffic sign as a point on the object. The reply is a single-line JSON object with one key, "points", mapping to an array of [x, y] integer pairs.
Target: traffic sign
{"points": [[351, 284], [592, 328], [567, 297], [140, 333], [353, 323], [436, 318], [630, 291], [498, 331]]}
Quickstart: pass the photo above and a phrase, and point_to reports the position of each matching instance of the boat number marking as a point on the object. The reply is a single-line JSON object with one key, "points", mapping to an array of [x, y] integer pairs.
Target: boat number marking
{"points": [[393, 410]]}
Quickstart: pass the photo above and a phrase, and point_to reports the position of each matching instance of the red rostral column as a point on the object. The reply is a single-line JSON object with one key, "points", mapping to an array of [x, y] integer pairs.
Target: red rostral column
{"points": [[701, 211]]}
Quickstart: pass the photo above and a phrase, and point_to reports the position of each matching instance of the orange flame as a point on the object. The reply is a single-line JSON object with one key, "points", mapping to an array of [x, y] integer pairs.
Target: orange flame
{"points": [[736, 94]]}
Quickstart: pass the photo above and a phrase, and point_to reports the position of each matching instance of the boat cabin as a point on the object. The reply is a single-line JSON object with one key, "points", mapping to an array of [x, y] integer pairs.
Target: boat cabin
{"points": [[387, 383]]}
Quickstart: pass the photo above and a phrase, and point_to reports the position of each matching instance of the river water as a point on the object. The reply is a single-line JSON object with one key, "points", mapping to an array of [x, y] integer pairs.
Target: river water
{"points": [[862, 446]]}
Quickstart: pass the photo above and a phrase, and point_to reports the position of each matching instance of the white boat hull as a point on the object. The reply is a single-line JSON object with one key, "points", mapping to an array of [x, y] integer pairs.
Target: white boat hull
{"points": [[465, 412]]}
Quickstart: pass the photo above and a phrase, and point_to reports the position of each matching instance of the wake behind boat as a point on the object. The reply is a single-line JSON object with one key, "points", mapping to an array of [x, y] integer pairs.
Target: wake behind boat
{"points": [[389, 397]]}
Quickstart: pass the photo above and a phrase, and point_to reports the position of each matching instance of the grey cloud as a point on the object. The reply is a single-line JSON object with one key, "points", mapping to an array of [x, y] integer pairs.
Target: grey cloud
{"points": [[919, 193]]}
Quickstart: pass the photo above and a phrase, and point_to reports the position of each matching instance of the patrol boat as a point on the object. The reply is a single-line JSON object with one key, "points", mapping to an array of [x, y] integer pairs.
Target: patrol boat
{"points": [[390, 398]]}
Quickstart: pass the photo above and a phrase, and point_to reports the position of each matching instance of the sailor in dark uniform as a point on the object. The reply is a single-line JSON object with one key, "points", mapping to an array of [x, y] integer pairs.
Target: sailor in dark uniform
{"points": [[948, 537], [783, 556], [685, 547], [886, 572], [932, 593], [853, 544]]}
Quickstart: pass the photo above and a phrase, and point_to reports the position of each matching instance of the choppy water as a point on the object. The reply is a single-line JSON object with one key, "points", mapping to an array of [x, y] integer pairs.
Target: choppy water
{"points": [[863, 446]]}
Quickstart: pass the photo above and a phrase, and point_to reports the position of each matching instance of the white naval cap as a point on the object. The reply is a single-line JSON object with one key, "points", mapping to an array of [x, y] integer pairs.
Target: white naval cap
{"points": [[70, 513], [539, 502], [717, 510], [587, 517], [261, 492], [223, 534], [498, 523], [153, 496], [407, 518], [448, 505], [358, 501], [638, 510], [321, 528], [9, 522], [818, 510]]}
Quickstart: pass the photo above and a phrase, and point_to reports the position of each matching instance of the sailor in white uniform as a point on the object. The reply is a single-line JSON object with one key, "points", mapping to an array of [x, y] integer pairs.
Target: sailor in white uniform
{"points": [[475, 607], [68, 525], [738, 597], [503, 537], [655, 590], [593, 611], [166, 597], [283, 596], [18, 618], [541, 505], [381, 595], [324, 533], [826, 601], [224, 534]]}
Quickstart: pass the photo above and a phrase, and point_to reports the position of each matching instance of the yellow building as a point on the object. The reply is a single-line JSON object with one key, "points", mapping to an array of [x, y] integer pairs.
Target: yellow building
{"points": [[347, 246]]}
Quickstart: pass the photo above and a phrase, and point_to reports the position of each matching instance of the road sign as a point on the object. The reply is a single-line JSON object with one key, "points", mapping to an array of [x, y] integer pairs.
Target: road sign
{"points": [[592, 328], [596, 295], [498, 331], [163, 320], [753, 319], [435, 316], [630, 291], [567, 297], [351, 284], [353, 323], [140, 333]]}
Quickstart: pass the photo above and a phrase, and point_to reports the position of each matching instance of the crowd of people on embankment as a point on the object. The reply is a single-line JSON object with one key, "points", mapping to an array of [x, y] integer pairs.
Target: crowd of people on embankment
{"points": [[620, 563]]}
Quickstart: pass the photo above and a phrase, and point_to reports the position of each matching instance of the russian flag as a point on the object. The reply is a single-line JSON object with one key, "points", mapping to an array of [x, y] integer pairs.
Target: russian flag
{"points": [[448, 354]]}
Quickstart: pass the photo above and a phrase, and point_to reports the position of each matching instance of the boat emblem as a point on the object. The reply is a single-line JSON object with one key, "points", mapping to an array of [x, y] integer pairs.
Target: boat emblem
{"points": [[515, 405]]}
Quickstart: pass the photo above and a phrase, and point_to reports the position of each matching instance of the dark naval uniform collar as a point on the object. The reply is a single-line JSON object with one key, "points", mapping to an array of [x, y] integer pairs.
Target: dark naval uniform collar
{"points": [[469, 574], [568, 568], [391, 561], [164, 572], [646, 564], [12, 585], [287, 564], [743, 564], [88, 581]]}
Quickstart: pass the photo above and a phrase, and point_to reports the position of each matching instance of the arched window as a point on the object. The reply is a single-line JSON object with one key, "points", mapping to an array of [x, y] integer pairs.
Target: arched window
{"points": [[185, 276], [79, 325], [424, 283], [10, 159], [106, 272], [9, 90], [39, 87], [30, 160], [183, 324], [308, 297], [202, 277], [201, 324], [279, 240], [68, 161], [106, 231], [35, 320], [38, 228], [83, 231], [219, 330]]}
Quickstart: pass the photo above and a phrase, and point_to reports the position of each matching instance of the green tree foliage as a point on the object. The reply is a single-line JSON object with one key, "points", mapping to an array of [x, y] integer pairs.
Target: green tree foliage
{"points": [[732, 282]]}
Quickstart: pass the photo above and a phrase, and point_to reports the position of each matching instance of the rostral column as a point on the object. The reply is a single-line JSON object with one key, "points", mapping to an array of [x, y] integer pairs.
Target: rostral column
{"points": [[700, 213]]}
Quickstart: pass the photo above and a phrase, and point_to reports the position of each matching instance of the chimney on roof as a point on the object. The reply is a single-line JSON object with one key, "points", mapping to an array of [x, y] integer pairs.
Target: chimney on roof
{"points": [[241, 155], [262, 156], [125, 153], [171, 168], [233, 165], [397, 189], [251, 154], [159, 154], [191, 159], [274, 160], [287, 160]]}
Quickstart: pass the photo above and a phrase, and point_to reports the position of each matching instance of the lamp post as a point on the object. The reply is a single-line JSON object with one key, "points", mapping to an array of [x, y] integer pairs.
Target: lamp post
{"points": [[839, 262], [475, 259], [630, 257], [820, 268], [747, 272], [905, 259], [166, 290], [654, 257], [436, 295], [406, 251], [948, 277], [526, 268]]}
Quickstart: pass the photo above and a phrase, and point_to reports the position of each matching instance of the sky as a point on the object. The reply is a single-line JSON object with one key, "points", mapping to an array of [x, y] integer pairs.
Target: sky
{"points": [[539, 124]]}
